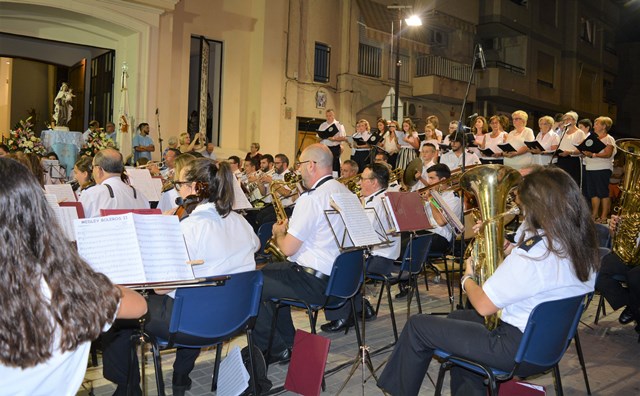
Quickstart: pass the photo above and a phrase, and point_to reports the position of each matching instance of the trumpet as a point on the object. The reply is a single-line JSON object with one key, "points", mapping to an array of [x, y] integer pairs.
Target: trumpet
{"points": [[149, 164]]}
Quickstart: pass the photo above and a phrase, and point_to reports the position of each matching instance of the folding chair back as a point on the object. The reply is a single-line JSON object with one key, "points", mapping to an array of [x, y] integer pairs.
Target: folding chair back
{"points": [[415, 254], [346, 275], [206, 315]]}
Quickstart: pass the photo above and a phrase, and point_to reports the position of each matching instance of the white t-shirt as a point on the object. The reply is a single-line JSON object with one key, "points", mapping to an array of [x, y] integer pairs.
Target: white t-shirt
{"points": [[570, 141], [528, 278], [309, 225], [227, 245], [592, 164], [493, 142], [98, 197], [547, 140], [62, 374]]}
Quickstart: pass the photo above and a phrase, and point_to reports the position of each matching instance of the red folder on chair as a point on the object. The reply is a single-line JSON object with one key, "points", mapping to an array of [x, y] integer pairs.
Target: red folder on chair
{"points": [[308, 360]]}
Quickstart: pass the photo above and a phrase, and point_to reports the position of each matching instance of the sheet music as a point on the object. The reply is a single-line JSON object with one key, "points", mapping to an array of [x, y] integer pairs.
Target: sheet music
{"points": [[68, 214], [233, 378], [141, 179], [110, 246], [63, 192], [355, 219], [240, 200], [162, 247], [52, 200], [452, 219]]}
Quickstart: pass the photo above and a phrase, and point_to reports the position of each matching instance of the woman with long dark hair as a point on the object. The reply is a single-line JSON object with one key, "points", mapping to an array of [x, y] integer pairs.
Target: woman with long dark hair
{"points": [[214, 233], [556, 257], [53, 303]]}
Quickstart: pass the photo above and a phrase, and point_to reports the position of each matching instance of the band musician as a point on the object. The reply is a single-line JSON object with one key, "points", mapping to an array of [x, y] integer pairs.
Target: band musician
{"points": [[373, 186], [443, 234], [110, 191], [286, 194], [453, 158], [428, 155], [307, 239]]}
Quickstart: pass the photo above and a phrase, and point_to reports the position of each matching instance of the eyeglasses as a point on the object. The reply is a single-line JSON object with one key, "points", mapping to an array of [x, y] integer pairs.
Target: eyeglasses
{"points": [[518, 118], [179, 184], [298, 163], [277, 163], [392, 126]]}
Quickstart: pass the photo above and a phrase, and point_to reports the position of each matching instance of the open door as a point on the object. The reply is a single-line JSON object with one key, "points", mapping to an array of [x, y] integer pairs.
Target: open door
{"points": [[76, 81]]}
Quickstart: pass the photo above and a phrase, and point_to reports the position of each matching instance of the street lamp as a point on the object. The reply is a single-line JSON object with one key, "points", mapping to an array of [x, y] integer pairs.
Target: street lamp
{"points": [[413, 20]]}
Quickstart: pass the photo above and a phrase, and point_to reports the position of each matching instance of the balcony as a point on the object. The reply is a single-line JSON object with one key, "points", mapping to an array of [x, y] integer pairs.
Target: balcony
{"points": [[439, 78]]}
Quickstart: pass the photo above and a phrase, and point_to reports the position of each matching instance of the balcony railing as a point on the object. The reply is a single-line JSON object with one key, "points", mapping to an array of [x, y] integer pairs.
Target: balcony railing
{"points": [[431, 65], [507, 66]]}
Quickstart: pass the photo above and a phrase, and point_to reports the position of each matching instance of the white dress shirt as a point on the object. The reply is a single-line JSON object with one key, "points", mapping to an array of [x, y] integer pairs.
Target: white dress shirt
{"points": [[98, 197]]}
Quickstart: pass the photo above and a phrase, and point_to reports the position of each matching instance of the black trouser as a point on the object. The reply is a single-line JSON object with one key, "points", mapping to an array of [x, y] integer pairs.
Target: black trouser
{"points": [[376, 265], [462, 333], [617, 295], [573, 166], [283, 279], [335, 150], [117, 345]]}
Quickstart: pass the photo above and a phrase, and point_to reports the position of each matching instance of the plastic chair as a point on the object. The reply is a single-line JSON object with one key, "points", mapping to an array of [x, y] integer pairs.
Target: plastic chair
{"points": [[415, 254], [209, 315], [344, 282], [264, 233], [551, 327]]}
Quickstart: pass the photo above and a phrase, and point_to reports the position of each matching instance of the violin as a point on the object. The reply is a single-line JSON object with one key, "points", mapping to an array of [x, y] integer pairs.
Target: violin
{"points": [[186, 206]]}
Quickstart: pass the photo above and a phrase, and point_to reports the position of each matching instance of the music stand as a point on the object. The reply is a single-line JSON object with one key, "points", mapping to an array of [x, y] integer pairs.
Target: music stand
{"points": [[350, 240]]}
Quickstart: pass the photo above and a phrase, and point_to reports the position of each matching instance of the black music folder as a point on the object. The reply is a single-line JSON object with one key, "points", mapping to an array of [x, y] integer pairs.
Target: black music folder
{"points": [[487, 152], [592, 144], [507, 148], [535, 145], [329, 132]]}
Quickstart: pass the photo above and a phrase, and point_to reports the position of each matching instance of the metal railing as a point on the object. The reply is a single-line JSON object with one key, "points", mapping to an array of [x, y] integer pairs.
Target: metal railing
{"points": [[431, 65]]}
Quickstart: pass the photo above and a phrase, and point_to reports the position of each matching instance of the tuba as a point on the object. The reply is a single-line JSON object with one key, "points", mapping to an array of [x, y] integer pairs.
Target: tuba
{"points": [[272, 247], [625, 239], [490, 184]]}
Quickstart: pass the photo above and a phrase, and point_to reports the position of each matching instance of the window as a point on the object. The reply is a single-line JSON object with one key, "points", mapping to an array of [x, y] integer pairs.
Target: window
{"points": [[607, 89], [369, 60], [587, 30], [546, 69], [609, 41], [321, 63]]}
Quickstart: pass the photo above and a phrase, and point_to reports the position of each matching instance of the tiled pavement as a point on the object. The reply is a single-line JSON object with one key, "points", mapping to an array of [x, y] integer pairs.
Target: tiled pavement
{"points": [[611, 351]]}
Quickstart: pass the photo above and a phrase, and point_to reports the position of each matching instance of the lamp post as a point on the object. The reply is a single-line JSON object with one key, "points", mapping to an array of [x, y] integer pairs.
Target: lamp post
{"points": [[414, 20]]}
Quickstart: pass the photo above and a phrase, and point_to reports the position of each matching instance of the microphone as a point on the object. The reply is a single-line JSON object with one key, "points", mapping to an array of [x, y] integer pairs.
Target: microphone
{"points": [[566, 125], [474, 115], [483, 60], [156, 111]]}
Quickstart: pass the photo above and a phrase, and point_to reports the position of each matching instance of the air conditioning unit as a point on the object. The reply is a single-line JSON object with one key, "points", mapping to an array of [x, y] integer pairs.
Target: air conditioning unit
{"points": [[410, 109]]}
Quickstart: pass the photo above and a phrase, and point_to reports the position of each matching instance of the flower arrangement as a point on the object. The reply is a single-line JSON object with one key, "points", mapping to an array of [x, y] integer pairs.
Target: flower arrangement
{"points": [[22, 138], [97, 140]]}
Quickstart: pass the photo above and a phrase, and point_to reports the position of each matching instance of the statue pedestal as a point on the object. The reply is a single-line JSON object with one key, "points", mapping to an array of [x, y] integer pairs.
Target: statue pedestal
{"points": [[61, 128], [65, 144]]}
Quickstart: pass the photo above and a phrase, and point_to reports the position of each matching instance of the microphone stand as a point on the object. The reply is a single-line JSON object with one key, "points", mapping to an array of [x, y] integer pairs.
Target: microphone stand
{"points": [[304, 137], [555, 152], [461, 129], [159, 135]]}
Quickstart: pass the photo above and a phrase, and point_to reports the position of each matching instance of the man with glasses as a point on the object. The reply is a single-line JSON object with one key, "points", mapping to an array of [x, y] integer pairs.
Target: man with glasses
{"points": [[234, 161], [110, 191], [308, 242]]}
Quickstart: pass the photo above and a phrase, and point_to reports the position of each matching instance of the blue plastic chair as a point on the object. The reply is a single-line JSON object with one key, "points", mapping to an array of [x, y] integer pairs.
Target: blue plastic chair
{"points": [[264, 233], [551, 327], [344, 282], [209, 315], [415, 254]]}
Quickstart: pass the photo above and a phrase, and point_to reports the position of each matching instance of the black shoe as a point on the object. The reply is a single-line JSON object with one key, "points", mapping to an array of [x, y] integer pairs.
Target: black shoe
{"points": [[403, 293], [281, 357], [180, 384], [626, 316], [121, 390], [336, 325], [369, 312]]}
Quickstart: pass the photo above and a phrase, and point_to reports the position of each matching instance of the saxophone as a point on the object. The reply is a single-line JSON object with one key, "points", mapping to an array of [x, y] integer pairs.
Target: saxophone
{"points": [[272, 247], [490, 184], [625, 239]]}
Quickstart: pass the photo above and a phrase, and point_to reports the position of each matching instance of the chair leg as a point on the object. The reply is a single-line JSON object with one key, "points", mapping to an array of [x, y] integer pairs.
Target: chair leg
{"points": [[313, 319], [391, 311], [415, 283], [157, 363], [252, 381], [600, 309], [216, 368], [449, 281], [581, 359], [558, 381], [384, 283], [424, 272], [443, 368]]}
